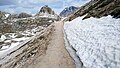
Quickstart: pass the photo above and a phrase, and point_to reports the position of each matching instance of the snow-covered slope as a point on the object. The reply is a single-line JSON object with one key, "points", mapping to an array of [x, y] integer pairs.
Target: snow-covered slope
{"points": [[97, 41]]}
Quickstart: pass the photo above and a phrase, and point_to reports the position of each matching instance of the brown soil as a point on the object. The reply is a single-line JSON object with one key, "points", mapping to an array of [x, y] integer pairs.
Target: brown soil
{"points": [[56, 55]]}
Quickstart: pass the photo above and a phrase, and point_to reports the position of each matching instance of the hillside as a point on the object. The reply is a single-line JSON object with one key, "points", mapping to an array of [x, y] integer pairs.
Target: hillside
{"points": [[24, 15], [33, 41], [98, 8]]}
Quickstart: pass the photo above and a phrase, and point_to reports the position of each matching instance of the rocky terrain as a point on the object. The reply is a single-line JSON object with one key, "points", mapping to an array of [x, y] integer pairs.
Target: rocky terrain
{"points": [[24, 15], [24, 37], [33, 45], [4, 15], [30, 41], [68, 10], [46, 11], [98, 8], [23, 24], [38, 41], [27, 51], [19, 22], [13, 16]]}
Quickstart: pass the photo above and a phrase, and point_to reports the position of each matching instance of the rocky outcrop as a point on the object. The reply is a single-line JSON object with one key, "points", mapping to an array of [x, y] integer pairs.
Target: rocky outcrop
{"points": [[4, 15], [98, 8], [13, 16], [21, 15], [21, 25], [1, 14], [67, 11], [24, 15], [46, 10]]}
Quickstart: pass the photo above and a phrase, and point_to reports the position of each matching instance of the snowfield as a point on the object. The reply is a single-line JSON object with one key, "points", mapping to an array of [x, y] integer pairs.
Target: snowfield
{"points": [[96, 41]]}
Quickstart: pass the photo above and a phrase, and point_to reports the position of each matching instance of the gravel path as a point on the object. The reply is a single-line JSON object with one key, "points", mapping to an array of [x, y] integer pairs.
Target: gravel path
{"points": [[56, 55]]}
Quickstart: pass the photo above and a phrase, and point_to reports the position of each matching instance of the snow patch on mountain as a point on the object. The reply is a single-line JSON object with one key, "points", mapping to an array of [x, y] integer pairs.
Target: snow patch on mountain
{"points": [[10, 42], [68, 10], [96, 41]]}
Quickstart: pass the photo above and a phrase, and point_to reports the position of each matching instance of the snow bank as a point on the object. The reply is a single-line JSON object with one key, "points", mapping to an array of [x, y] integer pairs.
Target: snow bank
{"points": [[97, 41], [72, 52]]}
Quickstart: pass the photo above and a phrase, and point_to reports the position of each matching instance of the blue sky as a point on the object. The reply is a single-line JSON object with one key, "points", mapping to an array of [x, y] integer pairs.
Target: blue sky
{"points": [[33, 6]]}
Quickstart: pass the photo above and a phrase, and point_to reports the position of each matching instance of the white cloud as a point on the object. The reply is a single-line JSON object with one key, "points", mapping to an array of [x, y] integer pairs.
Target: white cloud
{"points": [[10, 10], [43, 1], [33, 6], [69, 0], [80, 3]]}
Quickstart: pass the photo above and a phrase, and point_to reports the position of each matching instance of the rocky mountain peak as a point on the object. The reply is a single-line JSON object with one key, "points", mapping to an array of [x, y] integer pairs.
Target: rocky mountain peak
{"points": [[68, 10], [46, 9]]}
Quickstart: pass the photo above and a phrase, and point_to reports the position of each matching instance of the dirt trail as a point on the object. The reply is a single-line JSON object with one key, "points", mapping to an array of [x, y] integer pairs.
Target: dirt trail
{"points": [[56, 55]]}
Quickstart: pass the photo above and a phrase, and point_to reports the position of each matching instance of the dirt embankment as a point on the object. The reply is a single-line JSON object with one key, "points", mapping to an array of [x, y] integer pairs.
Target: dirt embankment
{"points": [[25, 55], [45, 50]]}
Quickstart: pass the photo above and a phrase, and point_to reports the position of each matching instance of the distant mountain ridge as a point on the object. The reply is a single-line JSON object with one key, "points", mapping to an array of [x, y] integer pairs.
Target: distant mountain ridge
{"points": [[68, 10], [24, 15]]}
